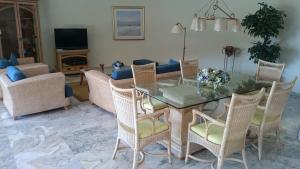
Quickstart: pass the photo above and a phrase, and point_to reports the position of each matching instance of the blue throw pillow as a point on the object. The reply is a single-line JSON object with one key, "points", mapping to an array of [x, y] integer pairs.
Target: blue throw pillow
{"points": [[143, 62], [122, 74], [4, 63], [14, 73], [68, 91], [171, 67], [173, 61], [13, 59]]}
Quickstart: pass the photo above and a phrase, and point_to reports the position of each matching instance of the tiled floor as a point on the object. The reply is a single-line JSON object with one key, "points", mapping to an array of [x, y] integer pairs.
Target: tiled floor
{"points": [[84, 136]]}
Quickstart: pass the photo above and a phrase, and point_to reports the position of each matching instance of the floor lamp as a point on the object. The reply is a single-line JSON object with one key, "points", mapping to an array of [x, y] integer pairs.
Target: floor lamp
{"points": [[179, 28]]}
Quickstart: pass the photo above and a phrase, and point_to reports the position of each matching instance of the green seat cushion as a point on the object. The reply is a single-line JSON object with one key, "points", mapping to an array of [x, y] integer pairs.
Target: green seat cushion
{"points": [[215, 133], [157, 105], [258, 117], [145, 127]]}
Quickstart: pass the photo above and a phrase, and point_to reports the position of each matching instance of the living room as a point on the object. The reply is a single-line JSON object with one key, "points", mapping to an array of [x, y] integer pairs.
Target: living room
{"points": [[57, 115]]}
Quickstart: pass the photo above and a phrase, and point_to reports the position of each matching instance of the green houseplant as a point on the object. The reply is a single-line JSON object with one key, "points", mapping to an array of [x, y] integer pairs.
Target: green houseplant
{"points": [[265, 24]]}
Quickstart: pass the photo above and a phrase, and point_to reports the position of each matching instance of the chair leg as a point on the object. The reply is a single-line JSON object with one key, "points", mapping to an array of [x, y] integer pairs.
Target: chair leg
{"points": [[260, 145], [187, 151], [169, 151], [220, 163], [278, 138], [116, 149], [244, 158], [135, 159]]}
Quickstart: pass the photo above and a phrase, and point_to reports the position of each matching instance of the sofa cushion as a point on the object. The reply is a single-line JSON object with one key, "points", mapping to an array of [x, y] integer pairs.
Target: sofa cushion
{"points": [[4, 63], [13, 59], [122, 74], [68, 91], [143, 62], [170, 67], [14, 73]]}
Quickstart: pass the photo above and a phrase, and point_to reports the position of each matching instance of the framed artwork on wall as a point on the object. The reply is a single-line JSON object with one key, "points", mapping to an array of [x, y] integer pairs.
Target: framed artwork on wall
{"points": [[128, 22]]}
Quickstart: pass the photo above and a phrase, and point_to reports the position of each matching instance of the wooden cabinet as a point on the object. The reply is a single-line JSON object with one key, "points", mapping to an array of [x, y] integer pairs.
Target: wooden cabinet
{"points": [[20, 29], [71, 61]]}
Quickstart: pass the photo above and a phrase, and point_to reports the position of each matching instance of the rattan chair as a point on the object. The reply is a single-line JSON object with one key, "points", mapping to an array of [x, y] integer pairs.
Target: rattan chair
{"points": [[267, 71], [138, 131], [223, 138], [146, 74], [189, 70], [267, 117]]}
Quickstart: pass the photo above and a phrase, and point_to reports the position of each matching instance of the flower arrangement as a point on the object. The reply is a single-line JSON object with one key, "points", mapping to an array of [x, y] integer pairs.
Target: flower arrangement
{"points": [[213, 78]]}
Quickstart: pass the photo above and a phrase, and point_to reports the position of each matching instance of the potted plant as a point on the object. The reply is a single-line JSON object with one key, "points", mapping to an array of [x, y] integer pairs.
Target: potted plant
{"points": [[265, 24]]}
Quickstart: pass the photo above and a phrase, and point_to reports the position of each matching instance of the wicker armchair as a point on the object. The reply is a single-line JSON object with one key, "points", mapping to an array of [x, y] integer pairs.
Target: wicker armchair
{"points": [[189, 70], [146, 74], [138, 131], [224, 138], [267, 117], [267, 71]]}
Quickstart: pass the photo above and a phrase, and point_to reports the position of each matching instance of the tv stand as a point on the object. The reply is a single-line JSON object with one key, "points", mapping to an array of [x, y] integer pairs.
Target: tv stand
{"points": [[71, 61]]}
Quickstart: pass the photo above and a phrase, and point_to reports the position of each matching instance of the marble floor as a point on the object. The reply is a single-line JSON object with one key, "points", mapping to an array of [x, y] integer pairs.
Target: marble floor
{"points": [[84, 136]]}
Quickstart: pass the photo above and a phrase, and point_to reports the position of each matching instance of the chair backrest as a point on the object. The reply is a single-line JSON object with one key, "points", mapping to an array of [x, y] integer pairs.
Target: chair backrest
{"points": [[240, 112], [144, 74], [276, 102], [267, 71], [125, 105], [189, 67]]}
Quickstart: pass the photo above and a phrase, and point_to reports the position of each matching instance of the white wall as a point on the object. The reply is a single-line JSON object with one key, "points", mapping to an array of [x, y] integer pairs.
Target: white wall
{"points": [[160, 44]]}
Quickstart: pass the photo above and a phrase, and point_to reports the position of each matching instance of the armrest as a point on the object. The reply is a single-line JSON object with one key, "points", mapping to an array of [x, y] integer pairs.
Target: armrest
{"points": [[153, 117], [207, 118], [37, 81], [26, 60]]}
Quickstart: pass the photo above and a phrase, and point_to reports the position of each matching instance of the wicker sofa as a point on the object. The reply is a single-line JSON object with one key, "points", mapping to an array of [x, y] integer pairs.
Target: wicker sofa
{"points": [[29, 67], [33, 94], [100, 92]]}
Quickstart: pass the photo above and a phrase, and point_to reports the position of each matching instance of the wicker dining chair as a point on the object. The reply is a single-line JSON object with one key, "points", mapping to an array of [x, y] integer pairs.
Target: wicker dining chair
{"points": [[267, 117], [138, 131], [267, 71], [146, 74], [189, 68], [223, 138]]}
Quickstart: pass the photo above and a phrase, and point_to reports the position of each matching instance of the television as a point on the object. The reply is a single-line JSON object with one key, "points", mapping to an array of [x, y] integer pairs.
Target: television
{"points": [[71, 38]]}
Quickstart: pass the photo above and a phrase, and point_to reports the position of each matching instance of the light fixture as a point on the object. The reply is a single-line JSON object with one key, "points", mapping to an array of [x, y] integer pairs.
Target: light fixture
{"points": [[177, 29], [208, 13]]}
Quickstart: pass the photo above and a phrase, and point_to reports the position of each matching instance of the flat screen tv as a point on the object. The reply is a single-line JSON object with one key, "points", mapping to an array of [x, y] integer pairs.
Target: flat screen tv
{"points": [[71, 38]]}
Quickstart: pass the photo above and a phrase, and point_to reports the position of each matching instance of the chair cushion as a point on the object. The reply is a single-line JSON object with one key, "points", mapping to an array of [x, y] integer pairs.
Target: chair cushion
{"points": [[68, 91], [143, 62], [145, 127], [258, 117], [4, 63], [13, 59], [125, 73], [215, 133], [156, 104], [14, 73]]}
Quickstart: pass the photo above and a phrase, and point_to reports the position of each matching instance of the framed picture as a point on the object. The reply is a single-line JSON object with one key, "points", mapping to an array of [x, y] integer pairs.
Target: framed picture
{"points": [[129, 22]]}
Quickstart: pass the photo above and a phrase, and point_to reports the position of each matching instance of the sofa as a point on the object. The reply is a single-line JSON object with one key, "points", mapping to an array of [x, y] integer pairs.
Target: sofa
{"points": [[99, 89], [29, 67], [33, 94]]}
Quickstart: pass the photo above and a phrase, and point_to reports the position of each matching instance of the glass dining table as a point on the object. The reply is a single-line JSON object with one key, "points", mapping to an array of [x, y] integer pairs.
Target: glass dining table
{"points": [[184, 95]]}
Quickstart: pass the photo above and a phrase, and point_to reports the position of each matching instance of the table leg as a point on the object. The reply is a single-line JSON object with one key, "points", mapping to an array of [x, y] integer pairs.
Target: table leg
{"points": [[180, 118]]}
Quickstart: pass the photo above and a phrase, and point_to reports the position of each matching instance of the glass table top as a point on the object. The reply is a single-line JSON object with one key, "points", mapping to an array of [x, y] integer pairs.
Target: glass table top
{"points": [[190, 92]]}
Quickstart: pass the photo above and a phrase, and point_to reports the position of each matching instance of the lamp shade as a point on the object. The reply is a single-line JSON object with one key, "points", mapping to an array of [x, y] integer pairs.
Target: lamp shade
{"points": [[220, 24], [195, 23], [202, 24], [236, 27], [177, 29]]}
